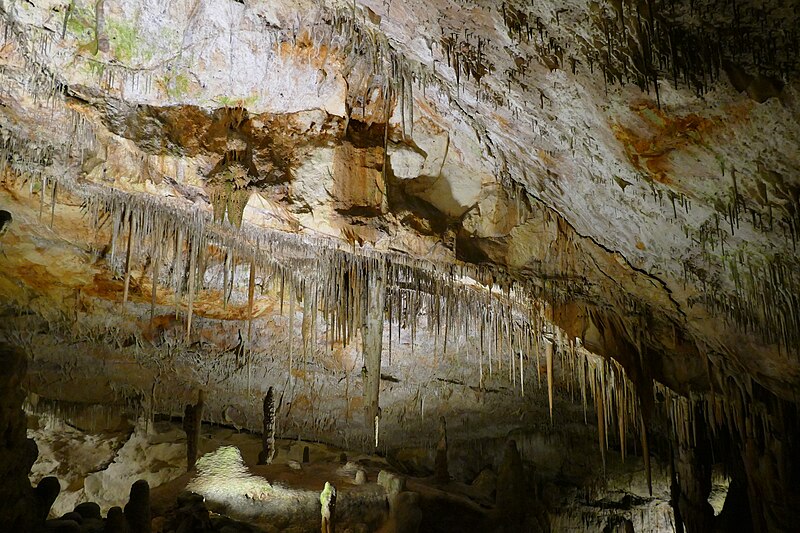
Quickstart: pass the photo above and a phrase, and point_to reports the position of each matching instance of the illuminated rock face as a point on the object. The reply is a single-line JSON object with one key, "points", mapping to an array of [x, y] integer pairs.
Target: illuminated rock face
{"points": [[203, 195]]}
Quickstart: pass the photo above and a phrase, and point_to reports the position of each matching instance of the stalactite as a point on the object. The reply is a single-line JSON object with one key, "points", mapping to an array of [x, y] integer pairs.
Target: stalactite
{"points": [[549, 359], [601, 421], [646, 454], [307, 330], [251, 286], [128, 261], [192, 276], [291, 332], [53, 204], [177, 270], [154, 280], [372, 336], [225, 272]]}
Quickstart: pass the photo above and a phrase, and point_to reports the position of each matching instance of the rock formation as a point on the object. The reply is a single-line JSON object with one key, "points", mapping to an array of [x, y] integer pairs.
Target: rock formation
{"points": [[137, 510], [192, 424], [268, 435], [581, 212]]}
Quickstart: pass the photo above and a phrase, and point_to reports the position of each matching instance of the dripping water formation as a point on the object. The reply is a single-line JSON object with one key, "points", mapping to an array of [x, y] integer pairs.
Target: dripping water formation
{"points": [[371, 267]]}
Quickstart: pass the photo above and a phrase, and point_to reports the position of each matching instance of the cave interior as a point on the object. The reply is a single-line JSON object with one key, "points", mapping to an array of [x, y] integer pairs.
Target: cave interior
{"points": [[382, 266]]}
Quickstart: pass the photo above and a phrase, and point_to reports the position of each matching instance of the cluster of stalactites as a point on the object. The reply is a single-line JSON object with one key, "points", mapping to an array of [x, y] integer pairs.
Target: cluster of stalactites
{"points": [[616, 402], [180, 245], [734, 412], [501, 325]]}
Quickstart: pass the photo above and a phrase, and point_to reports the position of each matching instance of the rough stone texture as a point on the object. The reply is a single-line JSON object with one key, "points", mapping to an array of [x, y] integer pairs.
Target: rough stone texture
{"points": [[631, 166], [268, 432]]}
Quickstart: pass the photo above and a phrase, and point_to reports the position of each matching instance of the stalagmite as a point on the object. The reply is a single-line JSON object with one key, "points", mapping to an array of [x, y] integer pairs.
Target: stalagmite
{"points": [[327, 500], [137, 510], [192, 423], [268, 436]]}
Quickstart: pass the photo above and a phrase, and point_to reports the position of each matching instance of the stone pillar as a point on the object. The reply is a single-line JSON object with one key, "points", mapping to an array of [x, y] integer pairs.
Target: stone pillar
{"points": [[267, 453], [372, 335], [192, 423]]}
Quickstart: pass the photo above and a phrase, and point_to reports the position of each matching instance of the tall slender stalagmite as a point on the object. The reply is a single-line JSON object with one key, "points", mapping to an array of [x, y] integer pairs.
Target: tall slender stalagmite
{"points": [[268, 437]]}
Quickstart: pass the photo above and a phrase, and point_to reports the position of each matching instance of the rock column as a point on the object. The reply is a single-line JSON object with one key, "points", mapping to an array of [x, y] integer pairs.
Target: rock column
{"points": [[192, 422], [267, 453], [372, 346]]}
